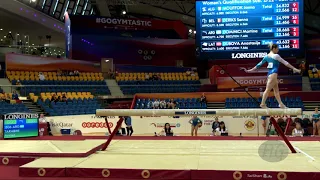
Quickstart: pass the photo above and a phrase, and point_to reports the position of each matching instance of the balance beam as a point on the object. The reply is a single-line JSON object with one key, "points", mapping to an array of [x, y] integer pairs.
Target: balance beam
{"points": [[199, 112]]}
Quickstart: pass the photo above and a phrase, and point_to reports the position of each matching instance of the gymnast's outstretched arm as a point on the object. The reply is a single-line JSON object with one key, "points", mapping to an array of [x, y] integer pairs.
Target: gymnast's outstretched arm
{"points": [[256, 67], [284, 62]]}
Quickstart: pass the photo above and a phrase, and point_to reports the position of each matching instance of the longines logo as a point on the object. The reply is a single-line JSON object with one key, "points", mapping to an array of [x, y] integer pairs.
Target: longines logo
{"points": [[248, 55], [21, 116]]}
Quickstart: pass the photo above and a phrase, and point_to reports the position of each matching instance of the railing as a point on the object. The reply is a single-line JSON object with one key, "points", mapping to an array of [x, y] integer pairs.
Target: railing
{"points": [[24, 90], [47, 51]]}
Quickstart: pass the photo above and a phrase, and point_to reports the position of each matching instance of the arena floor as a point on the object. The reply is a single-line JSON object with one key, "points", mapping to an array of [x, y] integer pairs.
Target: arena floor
{"points": [[176, 159]]}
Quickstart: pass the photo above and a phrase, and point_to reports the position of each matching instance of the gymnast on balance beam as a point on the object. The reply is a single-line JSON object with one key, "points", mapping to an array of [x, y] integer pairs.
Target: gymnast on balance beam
{"points": [[273, 59]]}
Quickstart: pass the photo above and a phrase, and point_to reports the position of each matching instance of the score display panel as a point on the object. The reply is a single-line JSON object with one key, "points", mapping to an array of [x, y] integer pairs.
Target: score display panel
{"points": [[243, 29], [20, 125]]}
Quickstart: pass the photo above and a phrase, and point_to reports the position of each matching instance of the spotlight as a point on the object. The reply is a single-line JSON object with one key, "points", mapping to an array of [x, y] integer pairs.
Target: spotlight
{"points": [[124, 12], [190, 30], [194, 32]]}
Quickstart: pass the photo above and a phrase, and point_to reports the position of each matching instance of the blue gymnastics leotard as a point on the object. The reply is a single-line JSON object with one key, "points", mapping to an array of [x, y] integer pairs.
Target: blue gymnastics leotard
{"points": [[315, 117], [273, 63]]}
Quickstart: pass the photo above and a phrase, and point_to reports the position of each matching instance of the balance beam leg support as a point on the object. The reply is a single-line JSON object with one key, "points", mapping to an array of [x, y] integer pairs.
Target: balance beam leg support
{"points": [[280, 132]]}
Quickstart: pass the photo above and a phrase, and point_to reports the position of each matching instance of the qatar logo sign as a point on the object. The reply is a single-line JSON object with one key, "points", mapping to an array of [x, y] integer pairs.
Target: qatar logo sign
{"points": [[130, 22]]}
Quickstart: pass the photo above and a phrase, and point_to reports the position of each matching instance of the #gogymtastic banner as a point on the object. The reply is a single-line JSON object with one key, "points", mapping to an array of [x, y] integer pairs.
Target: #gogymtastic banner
{"points": [[237, 70], [257, 83], [94, 23]]}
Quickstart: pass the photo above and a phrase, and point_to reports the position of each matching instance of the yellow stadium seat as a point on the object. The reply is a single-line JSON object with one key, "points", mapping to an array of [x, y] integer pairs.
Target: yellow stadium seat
{"points": [[64, 78], [35, 99], [315, 76]]}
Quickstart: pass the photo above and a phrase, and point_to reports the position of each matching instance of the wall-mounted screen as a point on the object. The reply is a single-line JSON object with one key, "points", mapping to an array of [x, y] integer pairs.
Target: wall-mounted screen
{"points": [[20, 125], [242, 29]]}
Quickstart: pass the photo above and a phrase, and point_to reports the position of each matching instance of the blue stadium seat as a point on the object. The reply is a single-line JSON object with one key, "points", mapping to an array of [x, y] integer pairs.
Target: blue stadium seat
{"points": [[12, 108], [95, 87], [71, 107], [133, 87], [291, 102]]}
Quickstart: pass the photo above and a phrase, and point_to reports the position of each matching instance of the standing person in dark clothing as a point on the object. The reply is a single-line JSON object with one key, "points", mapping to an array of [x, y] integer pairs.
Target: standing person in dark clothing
{"points": [[129, 125]]}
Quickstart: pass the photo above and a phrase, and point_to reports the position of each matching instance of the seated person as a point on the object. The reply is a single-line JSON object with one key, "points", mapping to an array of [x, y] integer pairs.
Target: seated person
{"points": [[163, 104], [221, 130], [150, 104], [76, 73], [15, 96], [59, 72], [2, 97], [298, 131], [166, 131], [41, 76], [147, 77], [203, 98], [64, 97], [156, 104], [53, 98], [215, 125], [188, 72]]}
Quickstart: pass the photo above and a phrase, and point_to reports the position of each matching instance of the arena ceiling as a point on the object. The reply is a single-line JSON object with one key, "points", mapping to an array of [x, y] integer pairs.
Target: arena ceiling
{"points": [[183, 10], [22, 28]]}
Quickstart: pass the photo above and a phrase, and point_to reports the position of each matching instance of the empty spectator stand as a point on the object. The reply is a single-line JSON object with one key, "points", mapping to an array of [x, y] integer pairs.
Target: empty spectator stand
{"points": [[182, 103], [85, 82], [314, 76], [76, 103], [132, 83], [291, 102]]}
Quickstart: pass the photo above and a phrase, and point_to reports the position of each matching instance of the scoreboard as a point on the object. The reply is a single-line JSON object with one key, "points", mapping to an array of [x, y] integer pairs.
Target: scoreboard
{"points": [[20, 125], [242, 29]]}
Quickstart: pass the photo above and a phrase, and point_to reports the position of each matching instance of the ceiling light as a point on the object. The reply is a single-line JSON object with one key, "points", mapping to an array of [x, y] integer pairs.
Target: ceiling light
{"points": [[32, 44], [124, 12], [18, 34], [194, 32], [5, 36], [1, 29], [1, 40], [190, 30], [9, 32]]}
